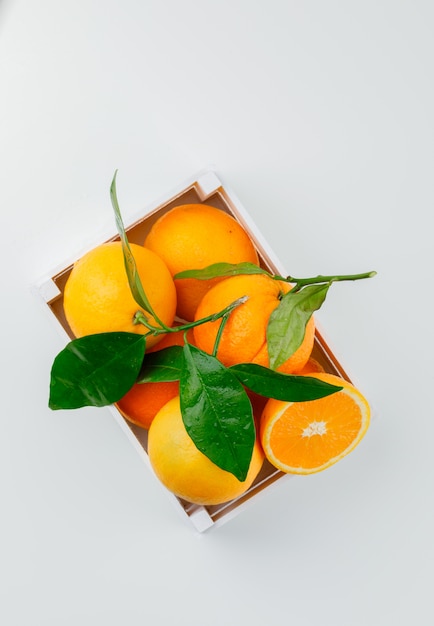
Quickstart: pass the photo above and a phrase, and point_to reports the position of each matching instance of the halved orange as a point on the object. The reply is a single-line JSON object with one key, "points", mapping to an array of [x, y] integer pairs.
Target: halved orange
{"points": [[307, 437]]}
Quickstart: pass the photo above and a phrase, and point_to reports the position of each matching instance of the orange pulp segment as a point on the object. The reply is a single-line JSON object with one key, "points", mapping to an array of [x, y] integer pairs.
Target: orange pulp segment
{"points": [[307, 437]]}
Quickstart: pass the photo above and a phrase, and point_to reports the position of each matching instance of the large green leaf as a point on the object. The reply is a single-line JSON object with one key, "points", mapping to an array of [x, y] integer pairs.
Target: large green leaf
{"points": [[222, 270], [216, 412], [95, 370], [287, 324], [162, 366], [287, 387]]}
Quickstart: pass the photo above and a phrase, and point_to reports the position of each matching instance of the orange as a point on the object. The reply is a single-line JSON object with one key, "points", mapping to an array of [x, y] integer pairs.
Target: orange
{"points": [[307, 437], [143, 401], [97, 296], [311, 367], [193, 236], [244, 336], [186, 471]]}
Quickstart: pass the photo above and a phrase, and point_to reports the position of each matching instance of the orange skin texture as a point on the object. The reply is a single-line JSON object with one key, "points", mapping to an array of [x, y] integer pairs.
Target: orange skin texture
{"points": [[143, 401], [244, 336], [193, 236], [311, 367], [184, 470], [97, 296]]}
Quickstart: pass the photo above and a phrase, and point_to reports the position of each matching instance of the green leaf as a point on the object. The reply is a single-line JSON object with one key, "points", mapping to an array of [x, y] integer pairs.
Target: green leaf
{"points": [[95, 370], [222, 270], [287, 324], [216, 412], [134, 281], [162, 366], [287, 387]]}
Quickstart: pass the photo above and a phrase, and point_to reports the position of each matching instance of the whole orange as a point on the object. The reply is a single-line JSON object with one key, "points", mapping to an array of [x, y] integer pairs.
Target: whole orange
{"points": [[97, 296], [244, 337], [186, 471], [193, 236]]}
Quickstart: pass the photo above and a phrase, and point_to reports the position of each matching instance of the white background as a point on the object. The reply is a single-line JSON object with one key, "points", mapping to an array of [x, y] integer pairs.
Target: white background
{"points": [[319, 114]]}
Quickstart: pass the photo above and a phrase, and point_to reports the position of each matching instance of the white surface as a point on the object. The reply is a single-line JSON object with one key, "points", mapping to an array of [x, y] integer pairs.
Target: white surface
{"points": [[319, 116]]}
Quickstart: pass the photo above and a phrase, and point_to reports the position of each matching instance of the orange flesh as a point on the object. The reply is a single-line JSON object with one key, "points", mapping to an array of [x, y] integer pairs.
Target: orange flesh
{"points": [[290, 440], [308, 437]]}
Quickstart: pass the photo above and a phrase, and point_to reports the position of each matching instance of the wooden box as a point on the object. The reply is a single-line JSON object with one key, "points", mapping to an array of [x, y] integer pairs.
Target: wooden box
{"points": [[205, 187]]}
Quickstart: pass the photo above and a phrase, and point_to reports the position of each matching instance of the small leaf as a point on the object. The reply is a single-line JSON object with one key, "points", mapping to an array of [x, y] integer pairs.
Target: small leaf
{"points": [[287, 387], [216, 412], [95, 370], [222, 270], [134, 281], [162, 366], [287, 324]]}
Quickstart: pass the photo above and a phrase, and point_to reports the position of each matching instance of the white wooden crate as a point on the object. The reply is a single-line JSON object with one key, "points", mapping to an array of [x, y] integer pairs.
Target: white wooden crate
{"points": [[204, 187]]}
